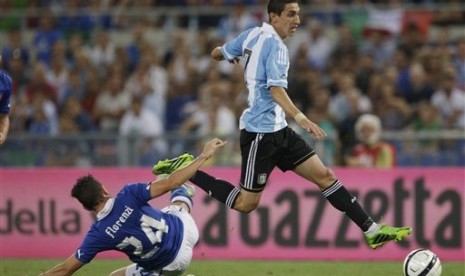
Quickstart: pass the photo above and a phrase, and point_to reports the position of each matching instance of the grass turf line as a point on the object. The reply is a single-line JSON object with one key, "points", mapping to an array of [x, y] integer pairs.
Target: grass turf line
{"points": [[17, 267]]}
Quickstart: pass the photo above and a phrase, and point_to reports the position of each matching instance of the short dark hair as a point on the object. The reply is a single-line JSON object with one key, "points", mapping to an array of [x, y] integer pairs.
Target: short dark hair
{"points": [[88, 191], [277, 6]]}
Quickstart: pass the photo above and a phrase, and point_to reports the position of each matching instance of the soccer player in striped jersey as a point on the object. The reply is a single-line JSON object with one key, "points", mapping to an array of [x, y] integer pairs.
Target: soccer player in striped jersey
{"points": [[158, 242], [266, 140]]}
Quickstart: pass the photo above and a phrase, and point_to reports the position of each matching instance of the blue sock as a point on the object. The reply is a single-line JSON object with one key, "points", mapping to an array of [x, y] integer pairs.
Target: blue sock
{"points": [[180, 194]]}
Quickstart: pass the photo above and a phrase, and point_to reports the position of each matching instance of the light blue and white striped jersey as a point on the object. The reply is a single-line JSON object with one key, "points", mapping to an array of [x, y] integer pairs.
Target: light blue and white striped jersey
{"points": [[266, 62]]}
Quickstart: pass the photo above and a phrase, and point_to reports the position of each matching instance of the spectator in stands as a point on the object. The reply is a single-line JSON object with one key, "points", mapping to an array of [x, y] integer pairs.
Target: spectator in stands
{"points": [[15, 49], [181, 64], [433, 64], [346, 43], [427, 119], [93, 89], [149, 81], [39, 123], [213, 118], [19, 75], [136, 45], [75, 19], [75, 87], [83, 64], [111, 104], [366, 68], [140, 122], [75, 47], [298, 81], [402, 61], [345, 107], [459, 63], [450, 101], [394, 112], [371, 152], [58, 72], [380, 46], [349, 101], [412, 38], [319, 45], [102, 53], [417, 89], [44, 115], [44, 38], [237, 21], [202, 53], [99, 14], [80, 119], [39, 84]]}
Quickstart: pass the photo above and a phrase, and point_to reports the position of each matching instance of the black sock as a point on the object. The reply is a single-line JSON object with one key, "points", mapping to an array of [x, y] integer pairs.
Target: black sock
{"points": [[217, 188], [342, 200]]}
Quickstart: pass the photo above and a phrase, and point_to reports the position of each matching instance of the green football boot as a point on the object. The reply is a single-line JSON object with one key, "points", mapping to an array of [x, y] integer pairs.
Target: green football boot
{"points": [[385, 234], [170, 165]]}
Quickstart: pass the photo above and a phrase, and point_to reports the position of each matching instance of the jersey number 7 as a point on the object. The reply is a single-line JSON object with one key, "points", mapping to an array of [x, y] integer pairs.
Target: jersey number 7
{"points": [[147, 224]]}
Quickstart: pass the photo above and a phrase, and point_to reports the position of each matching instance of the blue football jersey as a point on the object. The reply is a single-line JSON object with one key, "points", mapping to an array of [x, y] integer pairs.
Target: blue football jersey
{"points": [[149, 237], [5, 92]]}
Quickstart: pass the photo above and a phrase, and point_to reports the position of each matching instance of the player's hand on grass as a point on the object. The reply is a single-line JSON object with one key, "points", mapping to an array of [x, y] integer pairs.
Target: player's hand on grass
{"points": [[211, 146], [310, 126]]}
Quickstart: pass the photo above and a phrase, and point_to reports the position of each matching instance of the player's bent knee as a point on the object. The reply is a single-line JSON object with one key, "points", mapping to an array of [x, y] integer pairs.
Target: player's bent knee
{"points": [[246, 206], [325, 178], [247, 201]]}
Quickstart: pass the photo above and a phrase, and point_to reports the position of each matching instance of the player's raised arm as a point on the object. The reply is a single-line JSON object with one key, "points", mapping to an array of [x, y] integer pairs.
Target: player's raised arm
{"points": [[179, 177], [68, 267]]}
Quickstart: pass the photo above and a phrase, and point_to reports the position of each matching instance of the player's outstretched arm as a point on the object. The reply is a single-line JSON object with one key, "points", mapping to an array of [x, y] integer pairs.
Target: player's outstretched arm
{"points": [[180, 176], [4, 125], [65, 268], [280, 96]]}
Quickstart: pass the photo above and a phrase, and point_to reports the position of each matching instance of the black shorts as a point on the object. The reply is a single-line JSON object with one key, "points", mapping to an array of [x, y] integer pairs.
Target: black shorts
{"points": [[261, 152]]}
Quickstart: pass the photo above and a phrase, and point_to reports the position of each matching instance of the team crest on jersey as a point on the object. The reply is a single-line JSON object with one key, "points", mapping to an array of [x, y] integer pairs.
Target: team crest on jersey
{"points": [[261, 179]]}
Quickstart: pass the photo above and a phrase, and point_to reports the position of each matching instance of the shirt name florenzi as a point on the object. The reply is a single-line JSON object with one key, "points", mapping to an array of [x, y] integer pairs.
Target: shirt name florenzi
{"points": [[122, 219]]}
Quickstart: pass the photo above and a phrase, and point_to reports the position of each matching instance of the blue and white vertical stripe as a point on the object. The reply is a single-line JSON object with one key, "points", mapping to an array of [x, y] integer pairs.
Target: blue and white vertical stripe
{"points": [[266, 62]]}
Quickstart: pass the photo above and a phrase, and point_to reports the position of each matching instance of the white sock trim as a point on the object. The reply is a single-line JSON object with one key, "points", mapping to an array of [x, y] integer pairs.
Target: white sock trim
{"points": [[374, 227], [183, 199]]}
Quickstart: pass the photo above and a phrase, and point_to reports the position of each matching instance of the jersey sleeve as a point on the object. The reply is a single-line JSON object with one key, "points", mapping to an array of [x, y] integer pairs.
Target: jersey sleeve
{"points": [[277, 63], [234, 48], [90, 246], [139, 191], [5, 93]]}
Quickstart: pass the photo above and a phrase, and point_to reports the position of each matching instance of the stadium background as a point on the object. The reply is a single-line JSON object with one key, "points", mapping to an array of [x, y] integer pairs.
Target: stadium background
{"points": [[81, 67]]}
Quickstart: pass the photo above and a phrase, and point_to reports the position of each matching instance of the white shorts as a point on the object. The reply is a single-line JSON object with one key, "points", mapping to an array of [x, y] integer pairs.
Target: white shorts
{"points": [[182, 261]]}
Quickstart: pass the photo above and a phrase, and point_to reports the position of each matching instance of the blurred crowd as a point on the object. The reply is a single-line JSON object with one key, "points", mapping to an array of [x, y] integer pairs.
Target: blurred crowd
{"points": [[73, 77]]}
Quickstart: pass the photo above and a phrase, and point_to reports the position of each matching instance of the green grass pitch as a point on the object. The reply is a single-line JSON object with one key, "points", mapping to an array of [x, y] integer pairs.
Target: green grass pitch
{"points": [[225, 268]]}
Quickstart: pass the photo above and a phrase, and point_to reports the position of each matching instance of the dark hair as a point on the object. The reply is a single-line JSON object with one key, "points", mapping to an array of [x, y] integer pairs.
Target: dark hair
{"points": [[88, 191], [277, 6]]}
